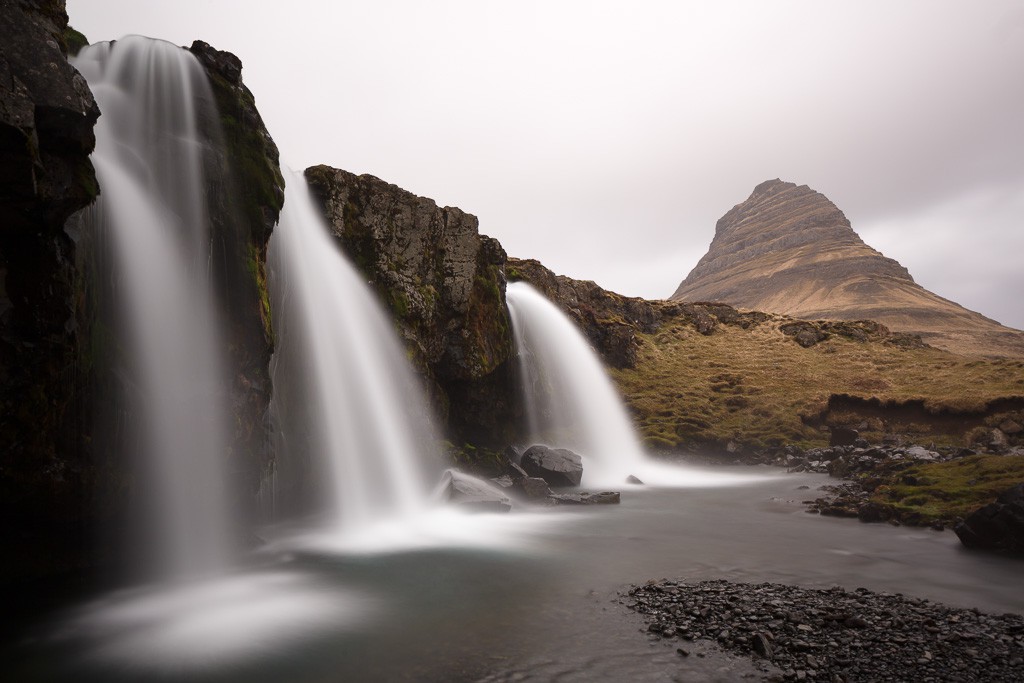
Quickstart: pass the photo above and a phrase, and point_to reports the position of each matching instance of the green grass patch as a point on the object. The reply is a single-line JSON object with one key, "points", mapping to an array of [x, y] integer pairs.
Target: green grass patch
{"points": [[948, 490]]}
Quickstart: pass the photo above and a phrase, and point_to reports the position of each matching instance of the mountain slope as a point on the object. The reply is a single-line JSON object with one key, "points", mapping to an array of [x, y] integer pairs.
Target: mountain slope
{"points": [[788, 249]]}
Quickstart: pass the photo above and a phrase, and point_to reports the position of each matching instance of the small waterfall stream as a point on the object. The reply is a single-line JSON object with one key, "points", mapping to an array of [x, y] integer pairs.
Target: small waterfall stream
{"points": [[149, 161], [344, 394], [570, 401]]}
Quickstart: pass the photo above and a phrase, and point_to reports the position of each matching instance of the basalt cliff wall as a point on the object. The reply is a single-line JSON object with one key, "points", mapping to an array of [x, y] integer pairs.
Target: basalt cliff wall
{"points": [[62, 478], [443, 283], [47, 115]]}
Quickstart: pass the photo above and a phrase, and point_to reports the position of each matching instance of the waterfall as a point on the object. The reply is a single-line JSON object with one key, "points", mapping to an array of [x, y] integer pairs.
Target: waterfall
{"points": [[149, 161], [347, 406], [570, 401]]}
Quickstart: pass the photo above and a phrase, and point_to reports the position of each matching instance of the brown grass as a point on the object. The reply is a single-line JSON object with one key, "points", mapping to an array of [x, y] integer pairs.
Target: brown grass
{"points": [[754, 385]]}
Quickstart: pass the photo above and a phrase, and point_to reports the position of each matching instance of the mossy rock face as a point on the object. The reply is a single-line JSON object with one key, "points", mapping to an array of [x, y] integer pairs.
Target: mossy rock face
{"points": [[245, 196], [442, 282]]}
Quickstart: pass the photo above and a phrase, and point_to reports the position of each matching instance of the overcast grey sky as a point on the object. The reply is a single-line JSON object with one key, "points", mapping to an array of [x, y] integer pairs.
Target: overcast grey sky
{"points": [[606, 138]]}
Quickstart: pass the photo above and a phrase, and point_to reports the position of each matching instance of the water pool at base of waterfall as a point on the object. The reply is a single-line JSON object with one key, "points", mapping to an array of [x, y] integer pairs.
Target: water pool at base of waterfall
{"points": [[532, 595]]}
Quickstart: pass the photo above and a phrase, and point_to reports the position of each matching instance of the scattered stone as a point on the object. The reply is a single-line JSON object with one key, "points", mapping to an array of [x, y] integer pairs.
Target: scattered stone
{"points": [[556, 466], [837, 635], [762, 646], [585, 498], [470, 493], [633, 480]]}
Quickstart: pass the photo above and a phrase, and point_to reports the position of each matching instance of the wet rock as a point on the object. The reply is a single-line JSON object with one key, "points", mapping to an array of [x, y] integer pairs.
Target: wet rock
{"points": [[556, 466], [761, 645], [502, 482], [586, 498], [997, 527], [533, 488], [470, 493]]}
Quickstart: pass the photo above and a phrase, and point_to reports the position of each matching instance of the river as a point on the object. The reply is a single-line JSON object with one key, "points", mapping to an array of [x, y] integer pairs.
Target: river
{"points": [[529, 596]]}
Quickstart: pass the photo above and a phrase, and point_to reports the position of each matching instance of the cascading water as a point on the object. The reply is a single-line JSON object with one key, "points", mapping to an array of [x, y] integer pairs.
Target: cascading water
{"points": [[344, 395], [149, 161], [571, 403], [569, 399]]}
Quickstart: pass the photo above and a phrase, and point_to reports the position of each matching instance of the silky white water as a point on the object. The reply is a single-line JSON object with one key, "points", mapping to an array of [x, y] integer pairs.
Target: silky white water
{"points": [[571, 403], [344, 394], [149, 161]]}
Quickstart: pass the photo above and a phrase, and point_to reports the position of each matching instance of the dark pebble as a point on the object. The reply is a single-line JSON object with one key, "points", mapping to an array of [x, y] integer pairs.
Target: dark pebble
{"points": [[836, 635]]}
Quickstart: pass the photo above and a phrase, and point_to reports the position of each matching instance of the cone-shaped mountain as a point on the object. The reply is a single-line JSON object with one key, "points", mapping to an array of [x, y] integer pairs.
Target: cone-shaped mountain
{"points": [[788, 249]]}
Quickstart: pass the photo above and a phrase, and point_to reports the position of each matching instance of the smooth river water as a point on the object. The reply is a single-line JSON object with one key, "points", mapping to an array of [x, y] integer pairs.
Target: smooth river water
{"points": [[529, 596]]}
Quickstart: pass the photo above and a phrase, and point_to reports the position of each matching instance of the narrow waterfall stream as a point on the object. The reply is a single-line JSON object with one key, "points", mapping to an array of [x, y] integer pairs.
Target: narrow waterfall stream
{"points": [[345, 399], [149, 161], [571, 403]]}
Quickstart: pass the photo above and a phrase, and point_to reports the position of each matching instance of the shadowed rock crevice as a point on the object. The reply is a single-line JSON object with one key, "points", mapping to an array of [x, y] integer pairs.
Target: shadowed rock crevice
{"points": [[47, 114]]}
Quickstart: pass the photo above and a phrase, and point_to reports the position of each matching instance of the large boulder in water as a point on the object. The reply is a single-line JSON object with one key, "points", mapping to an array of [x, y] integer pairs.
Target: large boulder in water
{"points": [[556, 466], [470, 493], [998, 527]]}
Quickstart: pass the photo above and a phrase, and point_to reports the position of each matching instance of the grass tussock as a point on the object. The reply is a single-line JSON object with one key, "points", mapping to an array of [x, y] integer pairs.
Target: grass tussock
{"points": [[947, 490]]}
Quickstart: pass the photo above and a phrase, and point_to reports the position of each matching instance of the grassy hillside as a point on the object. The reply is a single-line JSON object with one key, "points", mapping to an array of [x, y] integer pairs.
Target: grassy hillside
{"points": [[759, 387]]}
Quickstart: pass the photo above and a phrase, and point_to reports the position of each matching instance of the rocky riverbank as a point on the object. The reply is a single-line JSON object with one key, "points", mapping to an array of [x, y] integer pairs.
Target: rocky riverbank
{"points": [[902, 483], [834, 635]]}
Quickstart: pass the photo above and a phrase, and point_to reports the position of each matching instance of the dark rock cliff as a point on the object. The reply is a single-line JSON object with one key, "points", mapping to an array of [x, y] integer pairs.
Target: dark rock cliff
{"points": [[246, 193], [60, 482], [788, 249], [46, 134], [443, 283]]}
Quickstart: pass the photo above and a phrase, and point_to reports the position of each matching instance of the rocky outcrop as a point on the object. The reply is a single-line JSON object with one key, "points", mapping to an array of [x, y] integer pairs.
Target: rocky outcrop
{"points": [[46, 134], [788, 249], [997, 527], [443, 283]]}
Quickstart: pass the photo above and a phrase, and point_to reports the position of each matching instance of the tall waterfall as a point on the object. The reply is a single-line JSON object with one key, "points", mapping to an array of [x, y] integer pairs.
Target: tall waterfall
{"points": [[344, 395], [569, 399], [149, 161]]}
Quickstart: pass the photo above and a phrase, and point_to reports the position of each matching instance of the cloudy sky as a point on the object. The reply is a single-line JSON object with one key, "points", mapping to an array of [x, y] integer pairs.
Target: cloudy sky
{"points": [[607, 138]]}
